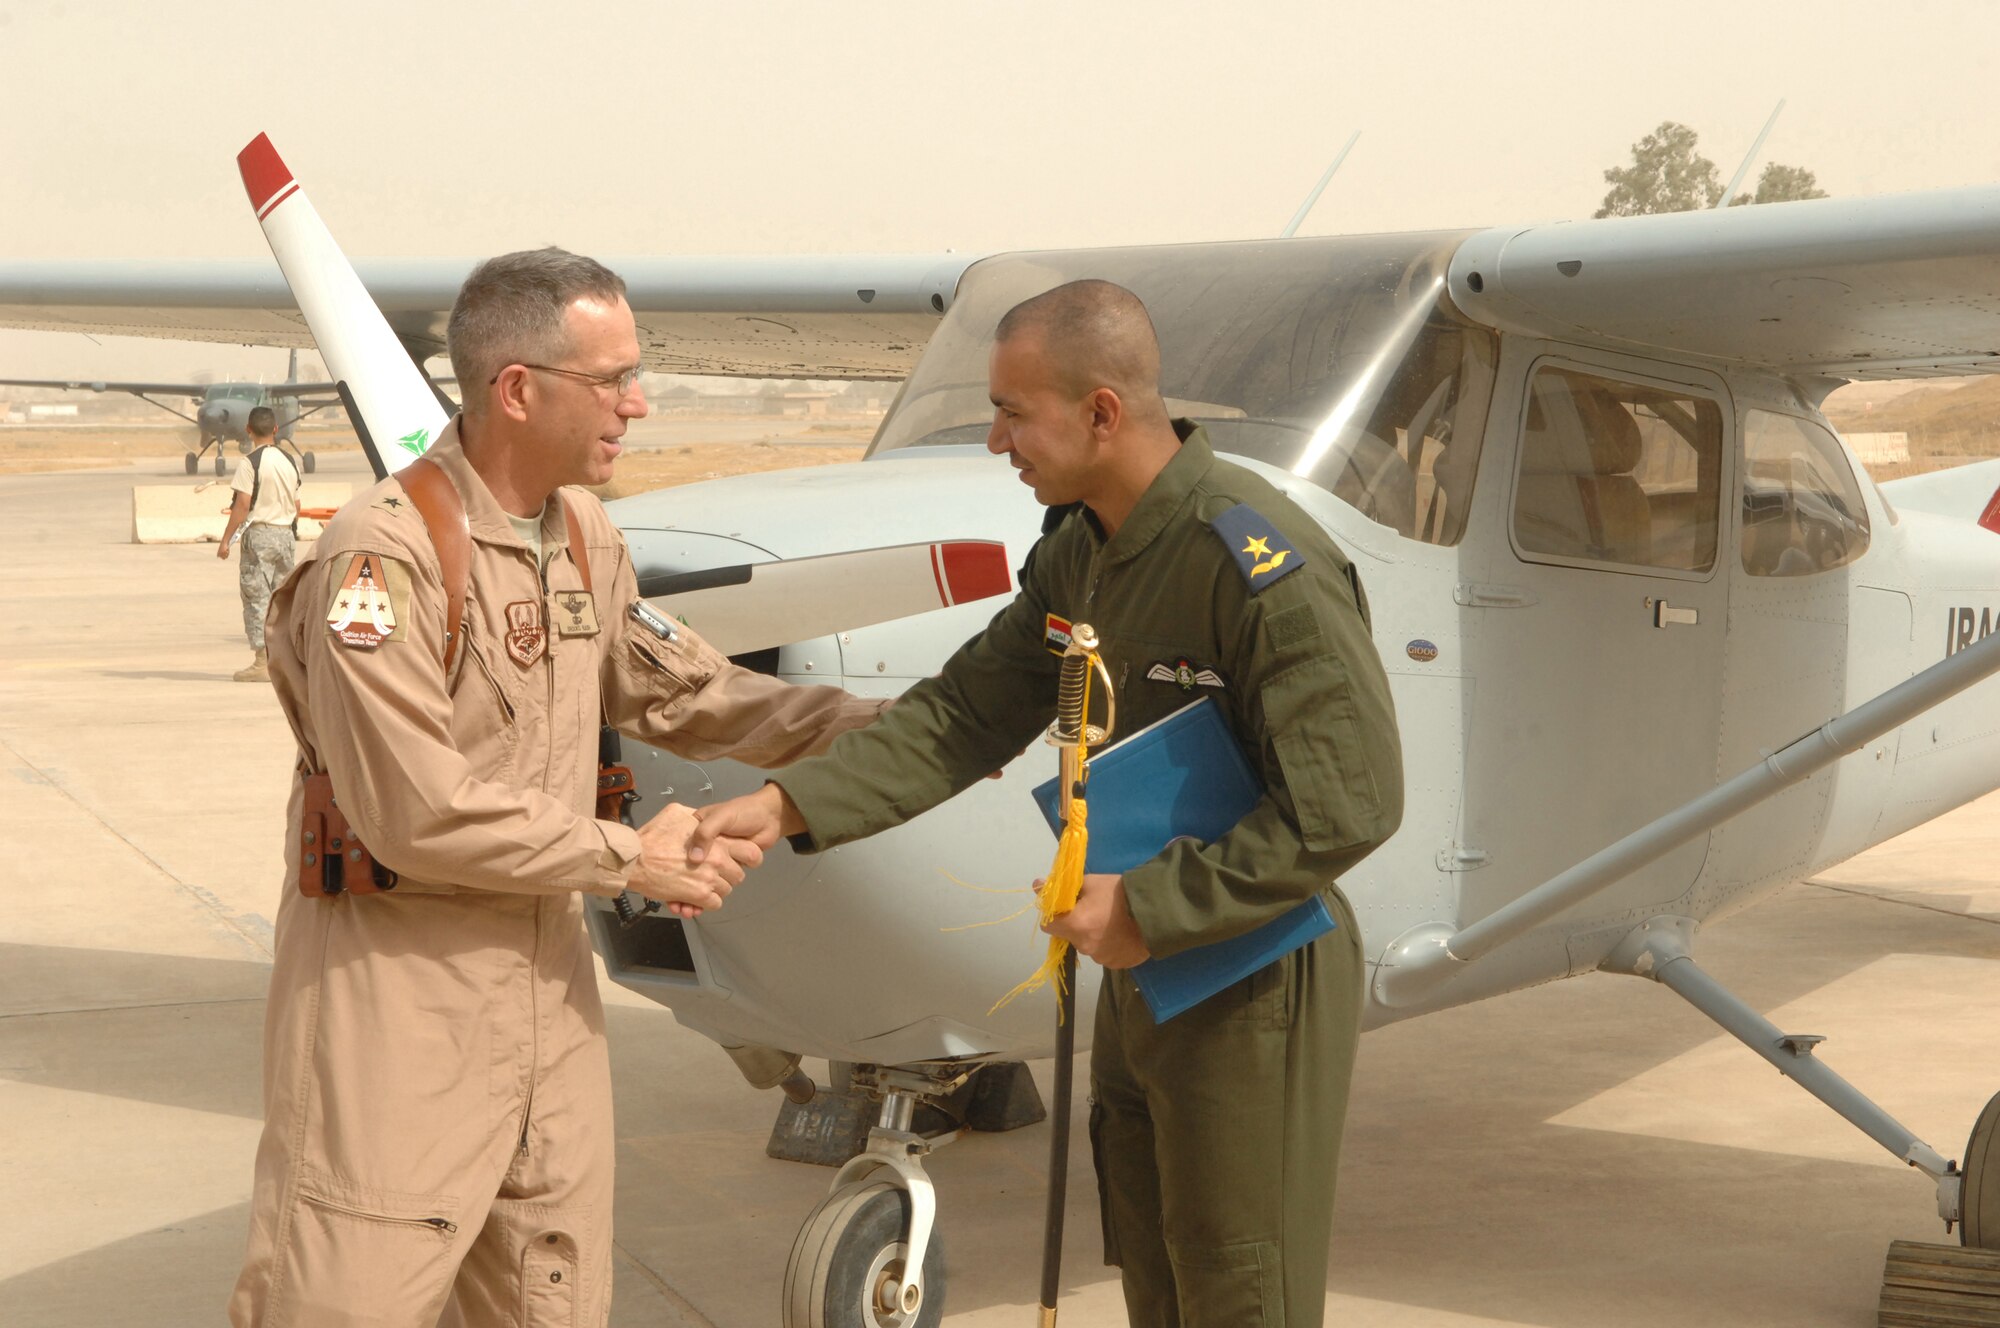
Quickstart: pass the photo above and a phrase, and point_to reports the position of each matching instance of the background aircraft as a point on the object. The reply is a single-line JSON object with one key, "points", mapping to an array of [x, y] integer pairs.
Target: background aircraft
{"points": [[1616, 556], [222, 410]]}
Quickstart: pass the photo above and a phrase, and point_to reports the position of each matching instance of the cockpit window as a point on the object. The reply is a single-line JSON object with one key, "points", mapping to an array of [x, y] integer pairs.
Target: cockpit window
{"points": [[1618, 472], [238, 392], [1339, 360], [1802, 507]]}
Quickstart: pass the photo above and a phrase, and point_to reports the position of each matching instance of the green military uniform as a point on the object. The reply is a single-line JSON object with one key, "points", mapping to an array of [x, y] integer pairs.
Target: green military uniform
{"points": [[1216, 1134]]}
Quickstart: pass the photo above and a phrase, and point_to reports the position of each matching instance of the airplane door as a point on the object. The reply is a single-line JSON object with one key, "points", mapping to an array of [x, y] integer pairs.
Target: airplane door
{"points": [[1601, 622]]}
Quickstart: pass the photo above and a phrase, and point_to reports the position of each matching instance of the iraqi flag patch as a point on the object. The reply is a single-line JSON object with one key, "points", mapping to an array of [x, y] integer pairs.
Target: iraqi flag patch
{"points": [[1055, 634]]}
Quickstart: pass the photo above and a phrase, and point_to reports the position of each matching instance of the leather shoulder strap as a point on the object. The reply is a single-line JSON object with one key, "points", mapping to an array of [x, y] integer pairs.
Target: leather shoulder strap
{"points": [[443, 511], [577, 552]]}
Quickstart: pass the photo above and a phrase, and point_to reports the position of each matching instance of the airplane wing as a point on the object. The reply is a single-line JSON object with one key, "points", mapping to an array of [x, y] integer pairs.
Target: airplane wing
{"points": [[790, 317], [1901, 286], [329, 390], [80, 385]]}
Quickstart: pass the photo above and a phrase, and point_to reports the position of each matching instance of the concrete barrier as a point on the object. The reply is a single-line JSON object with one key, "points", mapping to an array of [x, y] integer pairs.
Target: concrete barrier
{"points": [[197, 513]]}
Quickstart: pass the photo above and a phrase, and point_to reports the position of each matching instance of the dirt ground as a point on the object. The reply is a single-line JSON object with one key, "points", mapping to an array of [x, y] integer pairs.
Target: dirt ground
{"points": [[662, 453]]}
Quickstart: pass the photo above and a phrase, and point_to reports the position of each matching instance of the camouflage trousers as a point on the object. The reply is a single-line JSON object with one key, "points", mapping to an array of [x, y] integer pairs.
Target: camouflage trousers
{"points": [[264, 560]]}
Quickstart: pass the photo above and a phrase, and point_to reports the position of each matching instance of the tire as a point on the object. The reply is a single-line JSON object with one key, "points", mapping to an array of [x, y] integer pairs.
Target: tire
{"points": [[307, 463], [192, 463], [1981, 1210], [847, 1250], [221, 463]]}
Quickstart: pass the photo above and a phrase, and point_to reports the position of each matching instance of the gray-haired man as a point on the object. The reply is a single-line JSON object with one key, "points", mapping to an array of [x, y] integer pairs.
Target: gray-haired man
{"points": [[437, 1098]]}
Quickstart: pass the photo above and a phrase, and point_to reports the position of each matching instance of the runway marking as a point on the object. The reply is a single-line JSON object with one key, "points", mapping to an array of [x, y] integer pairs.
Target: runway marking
{"points": [[252, 927], [129, 1005], [1898, 1029], [1885, 897], [685, 1314]]}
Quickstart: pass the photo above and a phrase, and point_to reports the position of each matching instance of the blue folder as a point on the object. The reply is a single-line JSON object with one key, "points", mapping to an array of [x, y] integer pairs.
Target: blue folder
{"points": [[1183, 777]]}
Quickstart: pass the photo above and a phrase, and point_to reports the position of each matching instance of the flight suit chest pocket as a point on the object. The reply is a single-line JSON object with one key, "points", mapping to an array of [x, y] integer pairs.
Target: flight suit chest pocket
{"points": [[485, 709]]}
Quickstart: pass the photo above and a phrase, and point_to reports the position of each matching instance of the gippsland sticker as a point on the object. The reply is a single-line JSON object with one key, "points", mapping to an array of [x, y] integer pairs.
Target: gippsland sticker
{"points": [[1421, 651], [1056, 634], [370, 602]]}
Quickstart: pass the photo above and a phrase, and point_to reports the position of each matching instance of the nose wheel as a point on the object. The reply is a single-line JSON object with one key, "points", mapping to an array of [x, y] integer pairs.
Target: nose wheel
{"points": [[868, 1256], [849, 1263], [1980, 1196]]}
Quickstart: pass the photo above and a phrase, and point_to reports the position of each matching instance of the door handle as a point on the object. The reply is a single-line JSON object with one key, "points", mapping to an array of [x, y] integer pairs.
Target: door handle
{"points": [[1665, 615]]}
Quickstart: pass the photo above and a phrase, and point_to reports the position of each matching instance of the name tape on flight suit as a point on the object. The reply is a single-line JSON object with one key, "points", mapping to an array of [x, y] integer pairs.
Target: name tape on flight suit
{"points": [[574, 613], [1263, 555], [370, 602]]}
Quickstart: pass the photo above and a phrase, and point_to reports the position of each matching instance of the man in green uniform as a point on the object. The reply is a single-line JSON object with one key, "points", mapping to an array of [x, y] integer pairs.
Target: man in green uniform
{"points": [[1216, 1134]]}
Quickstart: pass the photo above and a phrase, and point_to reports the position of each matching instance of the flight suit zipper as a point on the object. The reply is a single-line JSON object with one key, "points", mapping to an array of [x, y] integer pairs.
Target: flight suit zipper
{"points": [[534, 1029], [442, 1225]]}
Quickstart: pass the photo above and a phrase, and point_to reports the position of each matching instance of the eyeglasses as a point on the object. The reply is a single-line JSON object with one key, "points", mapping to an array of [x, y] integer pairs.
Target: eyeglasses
{"points": [[620, 383]]}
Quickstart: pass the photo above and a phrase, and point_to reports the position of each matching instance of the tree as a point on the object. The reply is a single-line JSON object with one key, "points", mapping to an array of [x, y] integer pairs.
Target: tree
{"points": [[1782, 184], [1666, 175]]}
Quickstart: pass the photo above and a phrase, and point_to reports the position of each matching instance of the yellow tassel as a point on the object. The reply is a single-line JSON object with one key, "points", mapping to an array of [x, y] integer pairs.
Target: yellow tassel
{"points": [[1059, 892]]}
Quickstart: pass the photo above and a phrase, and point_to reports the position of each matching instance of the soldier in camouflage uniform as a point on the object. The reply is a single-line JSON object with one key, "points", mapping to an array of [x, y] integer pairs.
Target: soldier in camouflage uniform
{"points": [[1216, 1133], [266, 509]]}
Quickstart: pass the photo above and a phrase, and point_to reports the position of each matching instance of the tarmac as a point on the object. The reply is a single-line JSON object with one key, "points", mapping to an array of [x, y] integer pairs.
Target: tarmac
{"points": [[1591, 1152]]}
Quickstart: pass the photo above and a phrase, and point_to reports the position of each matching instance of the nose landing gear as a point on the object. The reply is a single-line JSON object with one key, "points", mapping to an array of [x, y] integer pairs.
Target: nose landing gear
{"points": [[868, 1256]]}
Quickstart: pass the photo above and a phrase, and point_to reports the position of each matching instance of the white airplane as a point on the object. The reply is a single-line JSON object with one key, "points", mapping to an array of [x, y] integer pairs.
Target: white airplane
{"points": [[222, 410], [1623, 574]]}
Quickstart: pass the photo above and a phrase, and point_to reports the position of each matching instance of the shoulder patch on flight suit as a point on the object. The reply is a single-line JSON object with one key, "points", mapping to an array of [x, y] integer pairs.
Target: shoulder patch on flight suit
{"points": [[370, 602], [1263, 555], [1293, 627]]}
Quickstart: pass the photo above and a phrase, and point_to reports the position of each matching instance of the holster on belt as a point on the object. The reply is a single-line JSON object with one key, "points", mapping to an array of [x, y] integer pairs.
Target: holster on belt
{"points": [[331, 859]]}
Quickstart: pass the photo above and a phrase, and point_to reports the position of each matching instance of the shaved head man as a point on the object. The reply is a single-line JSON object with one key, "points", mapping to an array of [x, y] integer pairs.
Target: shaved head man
{"points": [[1075, 382], [1215, 1131]]}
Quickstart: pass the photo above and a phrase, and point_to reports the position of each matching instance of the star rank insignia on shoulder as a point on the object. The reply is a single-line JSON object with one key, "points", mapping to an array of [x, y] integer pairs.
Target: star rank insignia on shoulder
{"points": [[391, 502], [1263, 555]]}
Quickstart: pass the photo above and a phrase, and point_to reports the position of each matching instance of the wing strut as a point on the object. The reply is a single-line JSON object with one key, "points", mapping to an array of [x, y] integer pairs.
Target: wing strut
{"points": [[1424, 959]]}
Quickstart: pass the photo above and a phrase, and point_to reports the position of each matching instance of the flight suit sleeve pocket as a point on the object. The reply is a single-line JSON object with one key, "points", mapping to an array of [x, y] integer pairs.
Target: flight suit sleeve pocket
{"points": [[1309, 713], [668, 668]]}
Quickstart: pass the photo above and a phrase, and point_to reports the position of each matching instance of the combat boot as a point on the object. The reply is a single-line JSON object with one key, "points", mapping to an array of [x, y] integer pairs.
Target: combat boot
{"points": [[259, 669]]}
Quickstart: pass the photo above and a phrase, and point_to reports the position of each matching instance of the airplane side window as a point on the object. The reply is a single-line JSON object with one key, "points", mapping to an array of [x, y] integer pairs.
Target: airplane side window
{"points": [[1617, 472], [1802, 507]]}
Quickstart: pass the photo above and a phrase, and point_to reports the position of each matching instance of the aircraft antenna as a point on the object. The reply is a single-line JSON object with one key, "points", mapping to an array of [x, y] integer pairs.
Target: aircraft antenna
{"points": [[1292, 227], [1750, 156]]}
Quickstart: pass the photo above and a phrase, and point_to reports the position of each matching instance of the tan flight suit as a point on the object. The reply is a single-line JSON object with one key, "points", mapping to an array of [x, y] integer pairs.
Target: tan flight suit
{"points": [[437, 1098]]}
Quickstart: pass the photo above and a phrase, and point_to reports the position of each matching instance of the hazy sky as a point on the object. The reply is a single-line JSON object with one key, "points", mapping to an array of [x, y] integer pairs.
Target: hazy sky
{"points": [[741, 127]]}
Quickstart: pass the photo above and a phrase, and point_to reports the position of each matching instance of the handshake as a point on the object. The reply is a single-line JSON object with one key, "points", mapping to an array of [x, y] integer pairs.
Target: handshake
{"points": [[689, 859]]}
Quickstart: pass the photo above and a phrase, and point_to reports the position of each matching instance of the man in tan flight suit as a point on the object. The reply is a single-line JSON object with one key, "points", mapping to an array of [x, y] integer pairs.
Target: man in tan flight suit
{"points": [[438, 1139], [266, 510]]}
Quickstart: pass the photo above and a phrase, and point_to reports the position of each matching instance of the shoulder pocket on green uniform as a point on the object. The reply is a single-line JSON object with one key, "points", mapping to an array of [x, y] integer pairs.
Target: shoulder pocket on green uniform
{"points": [[1310, 714]]}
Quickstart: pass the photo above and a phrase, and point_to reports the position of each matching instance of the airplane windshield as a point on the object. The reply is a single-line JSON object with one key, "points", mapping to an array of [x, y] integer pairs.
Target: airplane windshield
{"points": [[1337, 359], [237, 392]]}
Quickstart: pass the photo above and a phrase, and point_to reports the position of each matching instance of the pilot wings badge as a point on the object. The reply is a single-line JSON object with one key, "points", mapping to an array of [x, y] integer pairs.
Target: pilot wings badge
{"points": [[363, 612], [1185, 674]]}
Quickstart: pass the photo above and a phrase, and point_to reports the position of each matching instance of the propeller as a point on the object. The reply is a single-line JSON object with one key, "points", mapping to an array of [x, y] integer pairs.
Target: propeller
{"points": [[392, 407], [736, 609], [752, 606]]}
